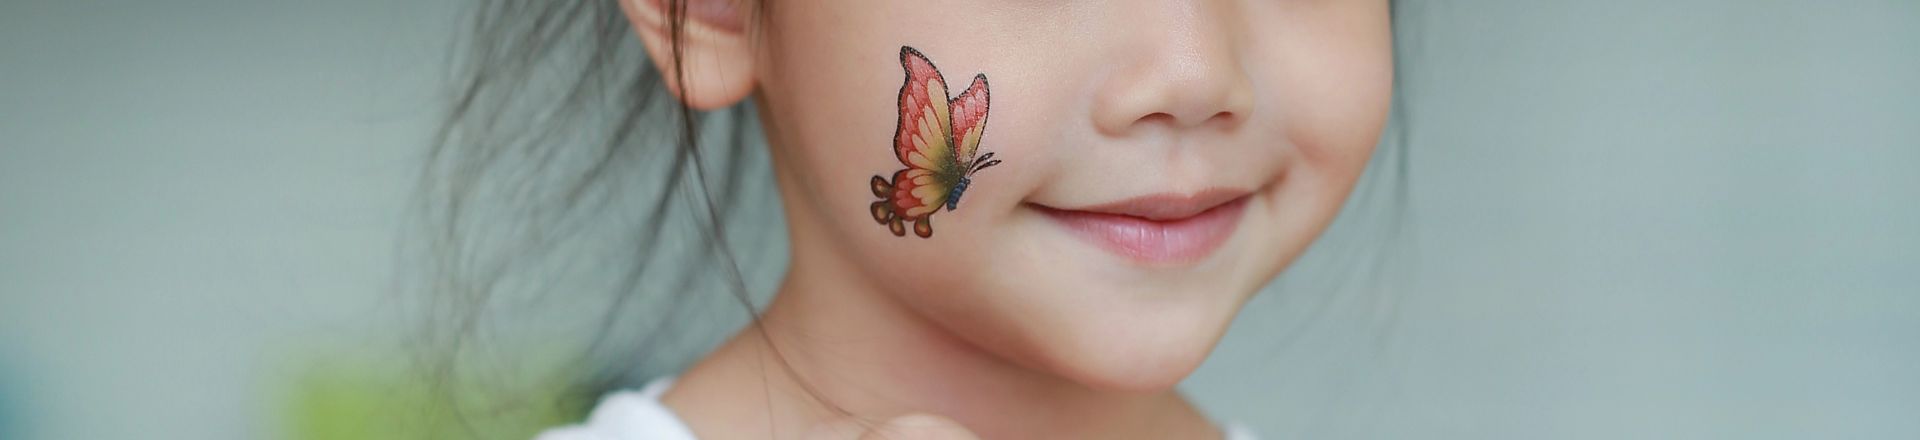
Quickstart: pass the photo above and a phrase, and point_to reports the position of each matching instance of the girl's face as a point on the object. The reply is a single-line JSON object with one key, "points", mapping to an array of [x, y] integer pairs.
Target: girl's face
{"points": [[1161, 161]]}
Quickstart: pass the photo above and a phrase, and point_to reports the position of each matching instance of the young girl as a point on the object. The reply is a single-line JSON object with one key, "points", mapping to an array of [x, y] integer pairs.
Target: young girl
{"points": [[1008, 219]]}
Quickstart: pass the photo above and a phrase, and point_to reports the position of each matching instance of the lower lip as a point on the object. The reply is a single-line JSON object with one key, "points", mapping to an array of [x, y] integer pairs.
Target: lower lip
{"points": [[1168, 242]]}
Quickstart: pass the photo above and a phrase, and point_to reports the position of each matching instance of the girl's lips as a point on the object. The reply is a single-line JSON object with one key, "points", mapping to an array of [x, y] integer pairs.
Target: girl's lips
{"points": [[1157, 229]]}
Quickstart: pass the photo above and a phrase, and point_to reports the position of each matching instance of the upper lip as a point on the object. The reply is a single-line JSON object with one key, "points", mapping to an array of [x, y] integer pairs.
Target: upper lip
{"points": [[1166, 206]]}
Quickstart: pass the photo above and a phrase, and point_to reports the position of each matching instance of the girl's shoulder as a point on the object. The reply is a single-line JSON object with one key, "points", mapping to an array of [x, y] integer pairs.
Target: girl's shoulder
{"points": [[628, 415]]}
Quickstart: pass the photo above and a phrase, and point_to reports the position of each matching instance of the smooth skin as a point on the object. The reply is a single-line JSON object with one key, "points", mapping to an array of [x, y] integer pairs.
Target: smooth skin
{"points": [[1005, 325]]}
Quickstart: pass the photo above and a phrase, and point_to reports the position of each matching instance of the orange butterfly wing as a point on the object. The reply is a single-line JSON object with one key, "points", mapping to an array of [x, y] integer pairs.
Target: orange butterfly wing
{"points": [[924, 139], [969, 121]]}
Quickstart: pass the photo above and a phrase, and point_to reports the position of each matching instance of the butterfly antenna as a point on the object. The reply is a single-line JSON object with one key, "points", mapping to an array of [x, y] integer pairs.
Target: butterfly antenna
{"points": [[983, 165], [982, 162]]}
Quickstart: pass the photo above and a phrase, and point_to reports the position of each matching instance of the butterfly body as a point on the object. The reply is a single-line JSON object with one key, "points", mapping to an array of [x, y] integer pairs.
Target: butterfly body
{"points": [[953, 201], [937, 140]]}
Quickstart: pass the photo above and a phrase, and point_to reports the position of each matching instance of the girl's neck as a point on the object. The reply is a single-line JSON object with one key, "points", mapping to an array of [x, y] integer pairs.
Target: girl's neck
{"points": [[830, 343]]}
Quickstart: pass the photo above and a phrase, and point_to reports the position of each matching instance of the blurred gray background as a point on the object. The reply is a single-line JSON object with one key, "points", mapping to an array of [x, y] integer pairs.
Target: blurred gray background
{"points": [[1630, 219]]}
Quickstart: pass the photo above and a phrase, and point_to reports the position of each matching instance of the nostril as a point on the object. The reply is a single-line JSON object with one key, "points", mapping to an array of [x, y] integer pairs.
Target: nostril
{"points": [[1158, 118], [1224, 118]]}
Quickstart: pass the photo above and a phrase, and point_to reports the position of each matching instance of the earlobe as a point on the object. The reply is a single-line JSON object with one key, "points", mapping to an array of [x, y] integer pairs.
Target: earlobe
{"points": [[715, 57]]}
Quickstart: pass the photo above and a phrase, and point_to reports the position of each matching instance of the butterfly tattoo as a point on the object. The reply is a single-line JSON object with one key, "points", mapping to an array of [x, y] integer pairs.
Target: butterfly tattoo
{"points": [[938, 141]]}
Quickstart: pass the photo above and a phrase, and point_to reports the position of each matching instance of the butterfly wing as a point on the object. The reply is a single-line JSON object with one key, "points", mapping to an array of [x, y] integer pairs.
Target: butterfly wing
{"points": [[924, 139], [969, 114]]}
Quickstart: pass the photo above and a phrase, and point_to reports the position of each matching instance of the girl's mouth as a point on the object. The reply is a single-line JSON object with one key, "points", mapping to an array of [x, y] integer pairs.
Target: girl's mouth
{"points": [[1159, 229]]}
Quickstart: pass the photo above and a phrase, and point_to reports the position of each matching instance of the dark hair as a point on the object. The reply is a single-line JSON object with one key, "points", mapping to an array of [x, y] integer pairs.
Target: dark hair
{"points": [[563, 151], [556, 121]]}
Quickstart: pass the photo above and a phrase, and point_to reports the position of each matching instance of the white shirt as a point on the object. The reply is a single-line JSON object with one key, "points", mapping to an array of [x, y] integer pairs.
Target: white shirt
{"points": [[639, 415]]}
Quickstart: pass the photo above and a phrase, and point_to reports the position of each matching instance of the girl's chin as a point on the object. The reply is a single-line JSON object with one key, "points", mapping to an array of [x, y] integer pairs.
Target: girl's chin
{"points": [[1130, 340], [1119, 363]]}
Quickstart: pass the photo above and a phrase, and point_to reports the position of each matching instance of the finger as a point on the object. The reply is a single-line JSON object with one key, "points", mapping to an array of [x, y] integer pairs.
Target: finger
{"points": [[907, 427], [920, 427]]}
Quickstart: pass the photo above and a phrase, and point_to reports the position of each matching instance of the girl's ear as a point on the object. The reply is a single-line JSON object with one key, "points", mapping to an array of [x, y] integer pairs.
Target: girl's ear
{"points": [[714, 52]]}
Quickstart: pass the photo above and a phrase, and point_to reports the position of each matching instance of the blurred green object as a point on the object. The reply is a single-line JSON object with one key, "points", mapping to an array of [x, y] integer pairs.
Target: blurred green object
{"points": [[366, 402]]}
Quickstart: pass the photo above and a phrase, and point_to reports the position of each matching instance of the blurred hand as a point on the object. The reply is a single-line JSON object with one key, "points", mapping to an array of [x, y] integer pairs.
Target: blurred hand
{"points": [[907, 427]]}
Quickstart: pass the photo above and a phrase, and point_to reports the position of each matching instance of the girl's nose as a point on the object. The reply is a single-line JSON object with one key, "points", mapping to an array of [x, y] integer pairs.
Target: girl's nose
{"points": [[1176, 64]]}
